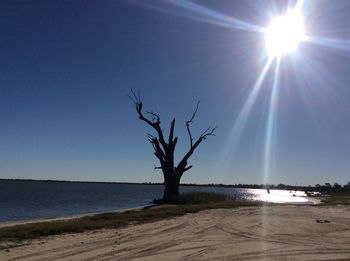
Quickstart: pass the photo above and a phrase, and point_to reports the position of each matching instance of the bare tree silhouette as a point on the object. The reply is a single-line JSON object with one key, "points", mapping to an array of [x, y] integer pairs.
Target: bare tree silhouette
{"points": [[164, 150]]}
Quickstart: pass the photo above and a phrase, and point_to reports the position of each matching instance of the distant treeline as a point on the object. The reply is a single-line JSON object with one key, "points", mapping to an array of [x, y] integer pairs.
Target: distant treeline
{"points": [[325, 188]]}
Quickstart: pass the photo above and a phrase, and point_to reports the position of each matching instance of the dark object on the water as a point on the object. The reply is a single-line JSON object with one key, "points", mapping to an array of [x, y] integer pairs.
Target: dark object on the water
{"points": [[268, 190], [164, 149], [322, 221]]}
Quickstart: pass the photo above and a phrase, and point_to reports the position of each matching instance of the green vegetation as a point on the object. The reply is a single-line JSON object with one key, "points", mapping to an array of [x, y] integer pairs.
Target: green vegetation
{"points": [[335, 198], [187, 203]]}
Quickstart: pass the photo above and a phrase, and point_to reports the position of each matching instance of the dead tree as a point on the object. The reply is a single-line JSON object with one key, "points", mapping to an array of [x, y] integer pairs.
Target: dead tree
{"points": [[164, 149]]}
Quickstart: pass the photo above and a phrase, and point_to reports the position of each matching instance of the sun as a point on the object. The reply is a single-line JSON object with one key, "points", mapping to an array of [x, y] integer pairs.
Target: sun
{"points": [[284, 33]]}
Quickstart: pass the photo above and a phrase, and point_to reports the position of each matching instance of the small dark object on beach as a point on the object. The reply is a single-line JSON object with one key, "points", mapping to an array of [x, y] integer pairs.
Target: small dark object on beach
{"points": [[322, 221]]}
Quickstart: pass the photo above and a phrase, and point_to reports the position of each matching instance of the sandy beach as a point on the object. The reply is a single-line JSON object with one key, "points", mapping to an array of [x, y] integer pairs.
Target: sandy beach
{"points": [[247, 233]]}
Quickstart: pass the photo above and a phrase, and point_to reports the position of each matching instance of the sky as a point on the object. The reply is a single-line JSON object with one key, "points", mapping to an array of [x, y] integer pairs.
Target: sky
{"points": [[68, 66]]}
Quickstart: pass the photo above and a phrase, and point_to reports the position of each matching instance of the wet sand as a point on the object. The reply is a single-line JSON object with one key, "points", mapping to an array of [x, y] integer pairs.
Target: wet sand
{"points": [[247, 233]]}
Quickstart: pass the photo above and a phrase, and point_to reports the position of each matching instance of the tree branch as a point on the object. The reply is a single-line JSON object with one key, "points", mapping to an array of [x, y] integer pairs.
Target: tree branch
{"points": [[165, 151], [155, 118], [208, 132], [191, 121], [154, 123], [187, 168], [158, 150], [171, 132]]}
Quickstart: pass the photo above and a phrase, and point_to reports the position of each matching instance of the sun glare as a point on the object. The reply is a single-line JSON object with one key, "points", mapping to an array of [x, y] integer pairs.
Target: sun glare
{"points": [[284, 33]]}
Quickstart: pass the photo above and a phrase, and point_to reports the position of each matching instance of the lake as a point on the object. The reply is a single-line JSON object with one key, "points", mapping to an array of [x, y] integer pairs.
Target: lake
{"points": [[29, 200]]}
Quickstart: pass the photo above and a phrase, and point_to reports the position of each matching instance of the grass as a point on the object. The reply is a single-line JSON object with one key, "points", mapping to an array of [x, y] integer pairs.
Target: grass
{"points": [[337, 198], [187, 203]]}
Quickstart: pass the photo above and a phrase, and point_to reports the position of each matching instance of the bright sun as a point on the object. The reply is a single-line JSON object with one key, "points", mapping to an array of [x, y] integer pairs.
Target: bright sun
{"points": [[284, 33]]}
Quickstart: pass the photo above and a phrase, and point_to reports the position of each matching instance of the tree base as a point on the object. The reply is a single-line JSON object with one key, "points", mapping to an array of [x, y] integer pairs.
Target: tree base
{"points": [[161, 201], [158, 201]]}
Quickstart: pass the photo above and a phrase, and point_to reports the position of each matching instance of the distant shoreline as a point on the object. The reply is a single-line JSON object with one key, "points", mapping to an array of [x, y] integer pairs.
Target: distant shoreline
{"points": [[156, 183], [324, 188], [79, 181]]}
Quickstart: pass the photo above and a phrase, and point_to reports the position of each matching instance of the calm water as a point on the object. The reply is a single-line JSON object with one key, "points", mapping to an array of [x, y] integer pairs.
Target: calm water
{"points": [[26, 200]]}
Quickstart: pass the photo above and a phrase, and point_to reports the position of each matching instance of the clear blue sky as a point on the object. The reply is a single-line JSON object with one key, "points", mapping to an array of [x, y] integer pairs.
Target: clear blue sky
{"points": [[66, 67]]}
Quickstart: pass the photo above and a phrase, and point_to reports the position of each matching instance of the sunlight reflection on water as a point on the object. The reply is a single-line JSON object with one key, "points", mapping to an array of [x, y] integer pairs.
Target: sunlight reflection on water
{"points": [[277, 196]]}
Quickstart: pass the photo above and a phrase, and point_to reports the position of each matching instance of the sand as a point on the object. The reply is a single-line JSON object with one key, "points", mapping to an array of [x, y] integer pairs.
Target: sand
{"points": [[247, 233]]}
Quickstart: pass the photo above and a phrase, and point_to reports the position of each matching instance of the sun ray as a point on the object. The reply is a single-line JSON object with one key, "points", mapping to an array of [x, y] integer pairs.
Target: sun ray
{"points": [[231, 21], [270, 126], [241, 120], [202, 14], [338, 44], [299, 5]]}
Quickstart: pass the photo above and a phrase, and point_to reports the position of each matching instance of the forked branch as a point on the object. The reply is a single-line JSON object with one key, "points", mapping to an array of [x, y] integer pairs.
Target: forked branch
{"points": [[155, 117], [208, 132], [154, 122], [181, 167]]}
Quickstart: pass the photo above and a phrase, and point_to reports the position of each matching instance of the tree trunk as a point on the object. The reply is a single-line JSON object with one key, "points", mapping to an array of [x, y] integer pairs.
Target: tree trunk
{"points": [[171, 183]]}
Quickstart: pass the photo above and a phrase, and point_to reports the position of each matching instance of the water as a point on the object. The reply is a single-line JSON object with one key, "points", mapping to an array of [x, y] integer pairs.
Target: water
{"points": [[28, 200]]}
